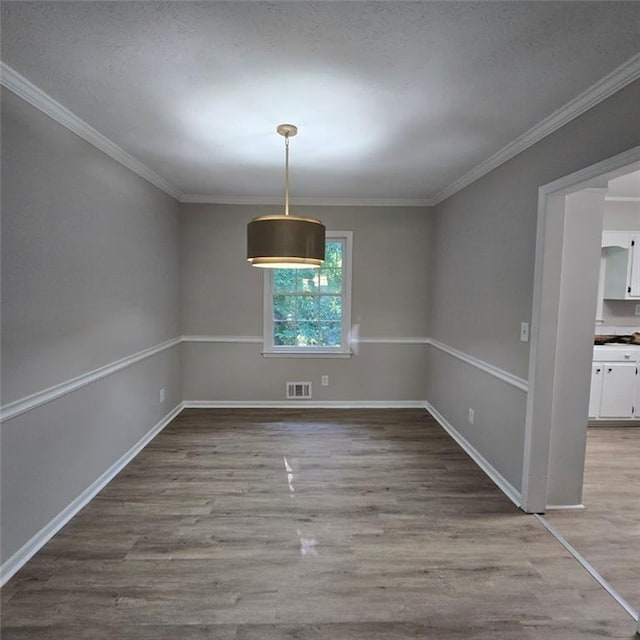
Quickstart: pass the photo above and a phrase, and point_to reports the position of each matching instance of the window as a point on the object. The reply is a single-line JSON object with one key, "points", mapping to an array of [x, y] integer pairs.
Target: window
{"points": [[307, 312]]}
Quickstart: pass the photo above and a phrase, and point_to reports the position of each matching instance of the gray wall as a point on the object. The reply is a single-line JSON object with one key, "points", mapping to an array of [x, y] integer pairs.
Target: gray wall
{"points": [[621, 216], [223, 296], [482, 270], [90, 268], [620, 313], [93, 272]]}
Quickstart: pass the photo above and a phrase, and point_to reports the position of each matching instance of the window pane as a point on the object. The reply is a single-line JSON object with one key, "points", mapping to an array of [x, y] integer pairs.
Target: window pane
{"points": [[333, 255], [330, 281], [308, 334], [308, 303], [284, 307], [306, 280], [285, 333], [331, 334], [330, 308], [307, 309], [284, 280]]}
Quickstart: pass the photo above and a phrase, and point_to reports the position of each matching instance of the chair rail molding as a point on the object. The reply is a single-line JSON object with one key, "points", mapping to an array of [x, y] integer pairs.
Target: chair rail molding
{"points": [[496, 372], [22, 405]]}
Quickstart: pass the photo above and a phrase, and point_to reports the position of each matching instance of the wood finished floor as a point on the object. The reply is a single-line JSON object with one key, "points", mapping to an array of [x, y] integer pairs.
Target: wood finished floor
{"points": [[607, 532], [313, 525]]}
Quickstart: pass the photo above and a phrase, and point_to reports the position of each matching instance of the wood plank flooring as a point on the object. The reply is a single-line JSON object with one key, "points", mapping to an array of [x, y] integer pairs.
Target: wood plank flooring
{"points": [[607, 532], [313, 525]]}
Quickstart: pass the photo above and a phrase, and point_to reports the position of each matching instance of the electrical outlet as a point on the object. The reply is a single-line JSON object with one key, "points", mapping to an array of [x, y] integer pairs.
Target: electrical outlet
{"points": [[324, 381], [637, 310], [162, 394], [472, 416], [524, 332]]}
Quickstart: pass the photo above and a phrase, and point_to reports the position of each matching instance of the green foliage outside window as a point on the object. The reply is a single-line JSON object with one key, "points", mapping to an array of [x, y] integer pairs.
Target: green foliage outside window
{"points": [[307, 303]]}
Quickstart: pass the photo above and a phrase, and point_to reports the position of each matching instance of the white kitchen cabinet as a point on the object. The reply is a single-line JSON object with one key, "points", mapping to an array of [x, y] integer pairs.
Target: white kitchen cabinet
{"points": [[618, 390], [596, 390], [621, 252], [634, 268], [615, 383]]}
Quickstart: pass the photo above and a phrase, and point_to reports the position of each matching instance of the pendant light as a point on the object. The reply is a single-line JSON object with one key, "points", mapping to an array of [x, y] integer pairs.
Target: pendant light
{"points": [[282, 241]]}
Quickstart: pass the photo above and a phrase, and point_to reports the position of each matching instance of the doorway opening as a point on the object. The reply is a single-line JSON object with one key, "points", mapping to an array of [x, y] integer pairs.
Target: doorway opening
{"points": [[568, 293], [567, 265]]}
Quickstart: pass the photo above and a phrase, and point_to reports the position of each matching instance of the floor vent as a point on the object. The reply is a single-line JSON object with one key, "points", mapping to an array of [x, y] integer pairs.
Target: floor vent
{"points": [[298, 390]]}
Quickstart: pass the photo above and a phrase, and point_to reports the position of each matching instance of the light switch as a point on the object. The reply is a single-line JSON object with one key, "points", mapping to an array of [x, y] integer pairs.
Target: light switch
{"points": [[524, 332]]}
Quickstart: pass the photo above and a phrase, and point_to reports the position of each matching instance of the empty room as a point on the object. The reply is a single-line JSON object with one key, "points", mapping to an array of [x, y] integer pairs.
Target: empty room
{"points": [[299, 306]]}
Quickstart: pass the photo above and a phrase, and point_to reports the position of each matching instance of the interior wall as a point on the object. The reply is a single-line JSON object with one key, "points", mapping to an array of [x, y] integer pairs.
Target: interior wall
{"points": [[222, 296], [90, 264], [482, 270], [620, 313], [621, 215], [582, 240]]}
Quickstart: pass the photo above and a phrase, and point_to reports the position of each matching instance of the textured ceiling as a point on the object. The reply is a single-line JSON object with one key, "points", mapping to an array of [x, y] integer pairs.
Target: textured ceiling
{"points": [[392, 99]]}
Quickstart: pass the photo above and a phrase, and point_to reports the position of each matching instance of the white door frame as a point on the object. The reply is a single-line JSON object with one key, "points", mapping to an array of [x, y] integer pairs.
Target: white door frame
{"points": [[544, 323]]}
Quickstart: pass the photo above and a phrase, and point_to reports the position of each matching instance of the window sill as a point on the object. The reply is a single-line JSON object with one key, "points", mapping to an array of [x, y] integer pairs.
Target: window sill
{"points": [[303, 354]]}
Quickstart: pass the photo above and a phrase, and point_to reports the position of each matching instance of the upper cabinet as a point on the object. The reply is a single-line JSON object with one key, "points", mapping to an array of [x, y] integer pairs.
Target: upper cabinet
{"points": [[621, 252]]}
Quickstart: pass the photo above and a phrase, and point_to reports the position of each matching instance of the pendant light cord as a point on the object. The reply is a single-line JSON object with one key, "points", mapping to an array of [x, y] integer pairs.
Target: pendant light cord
{"points": [[286, 176]]}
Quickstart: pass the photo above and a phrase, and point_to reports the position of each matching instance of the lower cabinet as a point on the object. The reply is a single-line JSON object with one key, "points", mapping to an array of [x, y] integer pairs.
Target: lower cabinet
{"points": [[596, 390], [614, 390], [618, 390]]}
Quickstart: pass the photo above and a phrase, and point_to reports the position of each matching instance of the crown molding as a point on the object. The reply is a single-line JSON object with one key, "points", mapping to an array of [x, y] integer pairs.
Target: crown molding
{"points": [[28, 91], [619, 78], [196, 198]]}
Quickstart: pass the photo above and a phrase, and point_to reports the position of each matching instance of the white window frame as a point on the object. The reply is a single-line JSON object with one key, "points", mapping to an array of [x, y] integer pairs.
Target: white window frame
{"points": [[343, 351]]}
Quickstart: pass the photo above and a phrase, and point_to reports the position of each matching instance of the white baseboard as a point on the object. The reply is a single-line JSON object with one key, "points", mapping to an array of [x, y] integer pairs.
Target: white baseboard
{"points": [[565, 507], [498, 479], [307, 404], [30, 548]]}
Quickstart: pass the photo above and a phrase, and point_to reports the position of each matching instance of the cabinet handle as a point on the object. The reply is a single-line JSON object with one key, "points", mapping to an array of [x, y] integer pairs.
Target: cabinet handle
{"points": [[598, 370], [609, 370]]}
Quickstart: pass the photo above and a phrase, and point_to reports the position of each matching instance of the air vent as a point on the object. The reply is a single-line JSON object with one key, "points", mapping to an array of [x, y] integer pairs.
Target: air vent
{"points": [[298, 390]]}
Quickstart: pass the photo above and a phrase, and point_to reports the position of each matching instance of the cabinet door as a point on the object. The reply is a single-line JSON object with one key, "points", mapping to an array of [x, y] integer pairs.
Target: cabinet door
{"points": [[618, 390], [634, 268], [597, 376]]}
